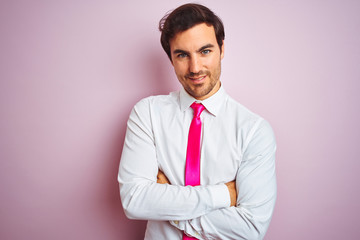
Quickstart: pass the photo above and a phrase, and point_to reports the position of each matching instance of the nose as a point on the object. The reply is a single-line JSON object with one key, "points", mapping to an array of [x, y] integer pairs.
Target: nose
{"points": [[195, 64]]}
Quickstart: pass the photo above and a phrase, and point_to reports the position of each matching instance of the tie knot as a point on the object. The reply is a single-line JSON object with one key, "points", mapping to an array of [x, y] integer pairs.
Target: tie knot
{"points": [[198, 108]]}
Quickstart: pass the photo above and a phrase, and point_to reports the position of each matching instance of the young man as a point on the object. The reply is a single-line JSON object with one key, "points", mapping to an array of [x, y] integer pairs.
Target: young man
{"points": [[203, 170]]}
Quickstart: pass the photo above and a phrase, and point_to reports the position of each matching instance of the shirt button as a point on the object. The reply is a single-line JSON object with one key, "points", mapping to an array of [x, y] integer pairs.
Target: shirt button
{"points": [[176, 222]]}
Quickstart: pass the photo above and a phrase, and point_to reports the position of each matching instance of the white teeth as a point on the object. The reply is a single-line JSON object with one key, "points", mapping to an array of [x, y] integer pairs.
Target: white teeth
{"points": [[197, 79]]}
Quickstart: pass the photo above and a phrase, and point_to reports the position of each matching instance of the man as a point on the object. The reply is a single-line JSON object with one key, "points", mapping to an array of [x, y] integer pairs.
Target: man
{"points": [[208, 173]]}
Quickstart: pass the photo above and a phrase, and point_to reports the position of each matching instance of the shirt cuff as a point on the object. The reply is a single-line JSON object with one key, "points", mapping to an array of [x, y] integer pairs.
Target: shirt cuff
{"points": [[220, 196]]}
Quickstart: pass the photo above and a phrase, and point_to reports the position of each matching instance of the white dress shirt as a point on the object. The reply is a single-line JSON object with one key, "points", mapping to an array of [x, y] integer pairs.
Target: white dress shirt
{"points": [[236, 144]]}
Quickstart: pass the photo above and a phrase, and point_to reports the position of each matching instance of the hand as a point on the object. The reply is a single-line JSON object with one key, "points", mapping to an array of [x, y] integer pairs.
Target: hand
{"points": [[161, 178], [232, 190]]}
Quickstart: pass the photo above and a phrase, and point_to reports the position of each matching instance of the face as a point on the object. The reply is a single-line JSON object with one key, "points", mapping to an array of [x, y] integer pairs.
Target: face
{"points": [[196, 58]]}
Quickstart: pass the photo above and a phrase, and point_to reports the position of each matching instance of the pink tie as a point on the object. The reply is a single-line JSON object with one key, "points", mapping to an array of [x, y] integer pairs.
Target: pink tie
{"points": [[192, 167]]}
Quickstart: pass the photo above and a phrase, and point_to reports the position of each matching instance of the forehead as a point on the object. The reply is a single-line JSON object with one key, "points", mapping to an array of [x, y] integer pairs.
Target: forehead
{"points": [[194, 38]]}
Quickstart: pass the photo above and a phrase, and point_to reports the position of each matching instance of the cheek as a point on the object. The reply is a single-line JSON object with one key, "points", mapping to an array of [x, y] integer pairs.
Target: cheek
{"points": [[214, 63], [209, 62], [179, 68]]}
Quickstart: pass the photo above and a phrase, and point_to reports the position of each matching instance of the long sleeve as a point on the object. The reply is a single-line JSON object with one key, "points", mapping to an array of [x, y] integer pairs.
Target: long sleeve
{"points": [[141, 196], [256, 187]]}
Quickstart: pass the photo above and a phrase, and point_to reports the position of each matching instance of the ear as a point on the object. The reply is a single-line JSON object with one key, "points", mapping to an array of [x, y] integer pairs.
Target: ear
{"points": [[222, 50]]}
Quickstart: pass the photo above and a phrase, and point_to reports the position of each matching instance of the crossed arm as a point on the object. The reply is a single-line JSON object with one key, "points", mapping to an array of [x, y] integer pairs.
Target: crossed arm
{"points": [[162, 179]]}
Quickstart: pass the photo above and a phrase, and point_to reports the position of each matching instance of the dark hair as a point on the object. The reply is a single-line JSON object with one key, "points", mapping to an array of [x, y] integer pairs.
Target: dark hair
{"points": [[184, 18]]}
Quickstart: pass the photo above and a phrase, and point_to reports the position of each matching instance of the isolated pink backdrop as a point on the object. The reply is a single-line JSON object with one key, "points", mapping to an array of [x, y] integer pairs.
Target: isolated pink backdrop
{"points": [[70, 72]]}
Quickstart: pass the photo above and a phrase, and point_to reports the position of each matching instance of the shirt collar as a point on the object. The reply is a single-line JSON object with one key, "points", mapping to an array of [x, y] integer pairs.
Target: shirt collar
{"points": [[212, 104]]}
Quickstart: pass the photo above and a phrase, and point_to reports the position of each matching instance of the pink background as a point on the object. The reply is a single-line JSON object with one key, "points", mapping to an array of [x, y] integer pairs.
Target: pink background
{"points": [[70, 72]]}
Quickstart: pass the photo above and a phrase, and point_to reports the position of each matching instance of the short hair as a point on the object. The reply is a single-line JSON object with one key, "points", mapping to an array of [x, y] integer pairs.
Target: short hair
{"points": [[184, 18]]}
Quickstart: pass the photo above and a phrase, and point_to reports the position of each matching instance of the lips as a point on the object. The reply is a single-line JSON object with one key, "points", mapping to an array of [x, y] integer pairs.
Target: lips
{"points": [[197, 79]]}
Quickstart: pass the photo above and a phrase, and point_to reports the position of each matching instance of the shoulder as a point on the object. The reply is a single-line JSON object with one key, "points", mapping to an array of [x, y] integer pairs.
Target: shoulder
{"points": [[248, 122], [241, 114], [148, 104]]}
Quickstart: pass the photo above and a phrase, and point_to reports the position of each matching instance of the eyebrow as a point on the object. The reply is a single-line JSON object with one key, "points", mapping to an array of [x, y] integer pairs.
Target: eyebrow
{"points": [[205, 47], [176, 51]]}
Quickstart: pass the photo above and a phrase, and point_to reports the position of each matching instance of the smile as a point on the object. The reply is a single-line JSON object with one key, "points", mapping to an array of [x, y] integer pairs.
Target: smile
{"points": [[197, 79]]}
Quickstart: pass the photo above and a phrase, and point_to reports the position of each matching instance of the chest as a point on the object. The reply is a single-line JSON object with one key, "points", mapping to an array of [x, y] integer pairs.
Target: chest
{"points": [[220, 148]]}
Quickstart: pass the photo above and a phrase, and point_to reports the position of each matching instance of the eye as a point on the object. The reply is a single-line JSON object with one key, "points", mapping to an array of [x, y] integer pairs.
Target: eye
{"points": [[206, 51], [182, 55]]}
